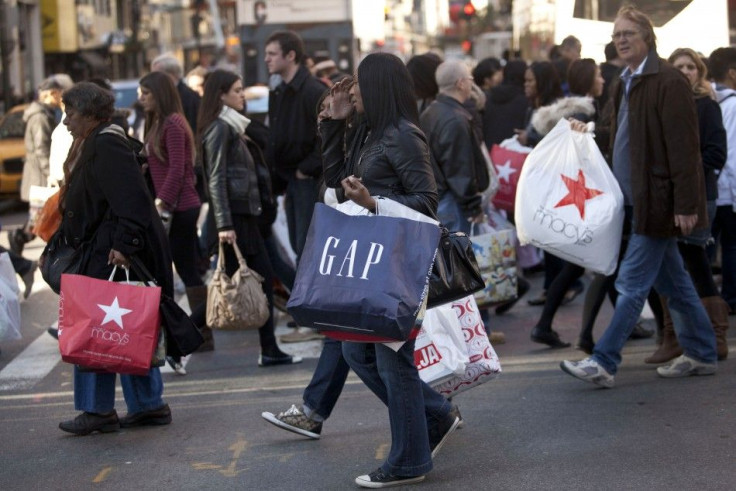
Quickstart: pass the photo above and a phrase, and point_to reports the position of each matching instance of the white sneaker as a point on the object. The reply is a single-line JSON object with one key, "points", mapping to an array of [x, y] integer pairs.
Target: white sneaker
{"points": [[589, 370], [684, 366]]}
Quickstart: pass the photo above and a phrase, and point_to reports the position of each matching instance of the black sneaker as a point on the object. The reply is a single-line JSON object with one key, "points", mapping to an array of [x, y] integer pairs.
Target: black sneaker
{"points": [[379, 479], [438, 435], [87, 423], [154, 417]]}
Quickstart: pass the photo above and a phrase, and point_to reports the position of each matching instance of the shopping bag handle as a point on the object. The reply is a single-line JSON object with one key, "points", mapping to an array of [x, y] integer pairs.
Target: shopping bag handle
{"points": [[238, 254], [114, 270]]}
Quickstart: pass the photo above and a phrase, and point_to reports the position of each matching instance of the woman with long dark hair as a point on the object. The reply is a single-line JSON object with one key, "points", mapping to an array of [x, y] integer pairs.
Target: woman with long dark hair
{"points": [[236, 188], [388, 156], [169, 145]]}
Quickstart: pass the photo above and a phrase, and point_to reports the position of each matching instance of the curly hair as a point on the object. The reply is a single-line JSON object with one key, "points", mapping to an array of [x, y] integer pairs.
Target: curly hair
{"points": [[89, 99]]}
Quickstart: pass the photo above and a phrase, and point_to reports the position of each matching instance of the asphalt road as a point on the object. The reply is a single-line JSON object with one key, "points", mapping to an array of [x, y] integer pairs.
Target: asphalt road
{"points": [[532, 428]]}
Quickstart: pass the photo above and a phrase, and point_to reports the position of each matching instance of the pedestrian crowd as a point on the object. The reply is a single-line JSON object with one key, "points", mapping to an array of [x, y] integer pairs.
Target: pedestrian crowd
{"points": [[204, 179]]}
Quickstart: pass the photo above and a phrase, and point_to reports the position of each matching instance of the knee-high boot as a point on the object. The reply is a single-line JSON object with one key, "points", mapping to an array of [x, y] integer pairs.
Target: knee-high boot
{"points": [[717, 309], [670, 348], [197, 297]]}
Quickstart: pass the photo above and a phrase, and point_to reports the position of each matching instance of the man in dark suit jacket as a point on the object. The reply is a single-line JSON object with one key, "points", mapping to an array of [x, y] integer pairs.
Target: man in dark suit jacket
{"points": [[170, 65]]}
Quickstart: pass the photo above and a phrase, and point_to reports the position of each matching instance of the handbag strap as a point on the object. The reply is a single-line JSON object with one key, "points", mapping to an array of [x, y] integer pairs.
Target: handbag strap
{"points": [[238, 255], [141, 271], [114, 270]]}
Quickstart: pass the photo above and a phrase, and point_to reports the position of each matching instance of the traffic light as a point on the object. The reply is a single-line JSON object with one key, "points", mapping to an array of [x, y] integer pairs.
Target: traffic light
{"points": [[467, 47], [468, 11]]}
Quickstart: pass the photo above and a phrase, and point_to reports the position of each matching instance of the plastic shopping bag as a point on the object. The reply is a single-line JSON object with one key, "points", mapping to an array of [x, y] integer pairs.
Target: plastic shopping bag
{"points": [[569, 203], [484, 364], [439, 349], [37, 197], [508, 159], [9, 302], [496, 255], [108, 326]]}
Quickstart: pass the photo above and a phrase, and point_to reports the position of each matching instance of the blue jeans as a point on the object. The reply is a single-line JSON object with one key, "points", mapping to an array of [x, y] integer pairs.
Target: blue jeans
{"points": [[451, 215], [648, 262], [724, 230], [95, 392], [326, 385], [301, 196], [413, 406]]}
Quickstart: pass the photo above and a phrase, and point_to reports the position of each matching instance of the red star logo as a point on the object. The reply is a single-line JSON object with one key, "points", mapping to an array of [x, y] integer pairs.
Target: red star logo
{"points": [[577, 193]]}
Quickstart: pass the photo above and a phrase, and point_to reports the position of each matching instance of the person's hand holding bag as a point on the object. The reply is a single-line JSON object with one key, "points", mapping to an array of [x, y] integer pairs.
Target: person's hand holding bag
{"points": [[357, 193]]}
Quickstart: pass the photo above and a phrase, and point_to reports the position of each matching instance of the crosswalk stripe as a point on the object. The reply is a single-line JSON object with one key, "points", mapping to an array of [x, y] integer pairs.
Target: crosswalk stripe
{"points": [[31, 365]]}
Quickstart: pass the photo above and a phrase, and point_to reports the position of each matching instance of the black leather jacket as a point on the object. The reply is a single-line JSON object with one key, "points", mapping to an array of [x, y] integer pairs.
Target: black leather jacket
{"points": [[230, 174], [455, 151], [394, 166]]}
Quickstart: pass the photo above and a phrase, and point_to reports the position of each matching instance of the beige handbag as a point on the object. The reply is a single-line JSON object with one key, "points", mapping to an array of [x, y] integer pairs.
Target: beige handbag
{"points": [[237, 302]]}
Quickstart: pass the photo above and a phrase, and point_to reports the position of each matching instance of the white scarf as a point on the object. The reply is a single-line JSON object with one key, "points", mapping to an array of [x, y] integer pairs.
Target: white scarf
{"points": [[237, 121]]}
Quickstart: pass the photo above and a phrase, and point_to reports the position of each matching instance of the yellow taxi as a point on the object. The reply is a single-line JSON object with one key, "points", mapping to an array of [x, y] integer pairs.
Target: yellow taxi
{"points": [[12, 150]]}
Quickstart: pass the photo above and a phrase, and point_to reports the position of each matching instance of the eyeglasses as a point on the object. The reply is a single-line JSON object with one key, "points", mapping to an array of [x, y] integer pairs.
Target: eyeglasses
{"points": [[624, 34]]}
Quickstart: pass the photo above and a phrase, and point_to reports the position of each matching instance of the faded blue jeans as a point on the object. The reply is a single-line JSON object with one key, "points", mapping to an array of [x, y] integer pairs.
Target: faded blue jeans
{"points": [[301, 196], [95, 392], [648, 262], [328, 380], [413, 406]]}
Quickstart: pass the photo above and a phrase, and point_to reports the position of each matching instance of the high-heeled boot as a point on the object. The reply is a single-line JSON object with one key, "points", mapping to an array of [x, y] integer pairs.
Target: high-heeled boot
{"points": [[670, 348], [717, 309], [197, 296]]}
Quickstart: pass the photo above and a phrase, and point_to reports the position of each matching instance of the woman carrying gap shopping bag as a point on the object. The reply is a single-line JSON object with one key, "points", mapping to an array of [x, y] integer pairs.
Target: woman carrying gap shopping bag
{"points": [[236, 187], [108, 215], [388, 156]]}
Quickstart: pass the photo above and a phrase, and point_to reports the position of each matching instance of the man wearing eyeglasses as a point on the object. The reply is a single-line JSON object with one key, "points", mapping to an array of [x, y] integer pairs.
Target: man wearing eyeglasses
{"points": [[656, 160]]}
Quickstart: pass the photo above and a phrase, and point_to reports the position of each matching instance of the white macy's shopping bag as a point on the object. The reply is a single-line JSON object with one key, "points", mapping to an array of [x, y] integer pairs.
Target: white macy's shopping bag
{"points": [[568, 202], [439, 350]]}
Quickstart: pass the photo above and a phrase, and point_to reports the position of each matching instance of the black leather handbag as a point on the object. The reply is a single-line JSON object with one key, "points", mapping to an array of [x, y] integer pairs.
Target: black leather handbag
{"points": [[182, 335], [455, 273], [61, 258]]}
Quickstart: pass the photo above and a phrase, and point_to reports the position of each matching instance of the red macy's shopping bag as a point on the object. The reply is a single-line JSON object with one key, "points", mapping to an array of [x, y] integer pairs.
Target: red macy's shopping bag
{"points": [[508, 163], [108, 326]]}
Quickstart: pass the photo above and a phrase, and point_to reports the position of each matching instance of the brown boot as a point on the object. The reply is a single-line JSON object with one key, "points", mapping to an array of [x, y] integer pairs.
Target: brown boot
{"points": [[717, 309], [197, 295], [670, 348]]}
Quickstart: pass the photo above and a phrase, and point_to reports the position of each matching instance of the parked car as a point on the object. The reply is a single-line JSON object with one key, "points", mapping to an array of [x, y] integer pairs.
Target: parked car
{"points": [[12, 150]]}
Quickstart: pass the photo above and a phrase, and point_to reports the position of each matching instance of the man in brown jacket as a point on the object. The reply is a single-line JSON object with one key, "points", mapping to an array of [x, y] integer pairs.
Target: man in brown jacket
{"points": [[656, 160]]}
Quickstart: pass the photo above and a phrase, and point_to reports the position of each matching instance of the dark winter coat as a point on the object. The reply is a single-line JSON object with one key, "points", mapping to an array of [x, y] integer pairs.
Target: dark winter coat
{"points": [[395, 166], [189, 103], [40, 122], [292, 119], [666, 166], [107, 206], [230, 174], [713, 146], [506, 110], [454, 152]]}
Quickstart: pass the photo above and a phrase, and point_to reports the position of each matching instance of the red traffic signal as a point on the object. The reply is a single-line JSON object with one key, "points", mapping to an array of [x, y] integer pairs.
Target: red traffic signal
{"points": [[467, 46], [468, 10]]}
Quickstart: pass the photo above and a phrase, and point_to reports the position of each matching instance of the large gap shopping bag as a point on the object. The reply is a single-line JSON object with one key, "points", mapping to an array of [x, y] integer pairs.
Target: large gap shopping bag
{"points": [[569, 202], [508, 158], [108, 326], [363, 274]]}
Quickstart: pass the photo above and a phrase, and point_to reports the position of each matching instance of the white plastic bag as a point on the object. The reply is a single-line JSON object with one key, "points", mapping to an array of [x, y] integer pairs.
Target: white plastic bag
{"points": [[439, 350], [9, 303], [484, 364], [493, 183], [569, 203]]}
